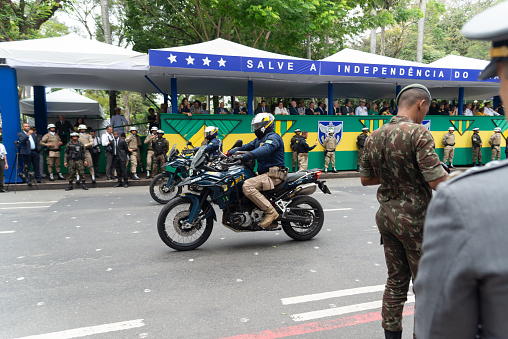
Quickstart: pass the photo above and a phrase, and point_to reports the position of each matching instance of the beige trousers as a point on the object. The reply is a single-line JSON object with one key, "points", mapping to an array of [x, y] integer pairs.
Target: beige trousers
{"points": [[496, 152], [448, 154], [252, 186], [303, 159], [89, 162], [53, 163], [134, 161], [329, 157]]}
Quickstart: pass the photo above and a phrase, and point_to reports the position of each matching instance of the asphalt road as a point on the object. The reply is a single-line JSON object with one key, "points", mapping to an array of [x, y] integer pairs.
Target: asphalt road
{"points": [[91, 263]]}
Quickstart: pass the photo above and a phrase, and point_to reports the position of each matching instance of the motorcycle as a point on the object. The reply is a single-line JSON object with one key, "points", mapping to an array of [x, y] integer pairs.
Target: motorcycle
{"points": [[186, 222], [163, 186]]}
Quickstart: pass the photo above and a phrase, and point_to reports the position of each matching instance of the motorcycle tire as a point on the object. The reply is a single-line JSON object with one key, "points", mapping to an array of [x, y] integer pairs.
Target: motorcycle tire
{"points": [[177, 211], [157, 188], [306, 232]]}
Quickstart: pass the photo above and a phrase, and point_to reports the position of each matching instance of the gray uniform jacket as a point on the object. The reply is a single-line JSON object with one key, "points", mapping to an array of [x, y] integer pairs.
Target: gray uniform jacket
{"points": [[462, 280]]}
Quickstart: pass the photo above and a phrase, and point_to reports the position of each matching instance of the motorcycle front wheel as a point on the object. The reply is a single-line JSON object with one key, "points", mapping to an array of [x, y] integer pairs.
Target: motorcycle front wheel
{"points": [[308, 207], [173, 228], [159, 190]]}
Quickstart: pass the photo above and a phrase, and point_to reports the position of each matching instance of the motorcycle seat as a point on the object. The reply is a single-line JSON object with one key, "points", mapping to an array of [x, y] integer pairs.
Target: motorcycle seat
{"points": [[289, 178]]}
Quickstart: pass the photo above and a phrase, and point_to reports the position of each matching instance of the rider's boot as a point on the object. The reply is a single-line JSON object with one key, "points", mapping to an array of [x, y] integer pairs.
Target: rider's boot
{"points": [[270, 216]]}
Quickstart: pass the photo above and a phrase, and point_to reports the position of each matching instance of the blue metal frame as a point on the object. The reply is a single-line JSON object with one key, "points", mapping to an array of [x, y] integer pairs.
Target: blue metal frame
{"points": [[250, 97], [330, 98], [461, 100], [174, 96], [40, 110]]}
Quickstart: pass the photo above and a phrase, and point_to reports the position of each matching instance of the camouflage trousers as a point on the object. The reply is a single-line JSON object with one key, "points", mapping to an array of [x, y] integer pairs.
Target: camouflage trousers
{"points": [[158, 161], [477, 154], [496, 152], [448, 154], [294, 164], [402, 254], [76, 167], [361, 151]]}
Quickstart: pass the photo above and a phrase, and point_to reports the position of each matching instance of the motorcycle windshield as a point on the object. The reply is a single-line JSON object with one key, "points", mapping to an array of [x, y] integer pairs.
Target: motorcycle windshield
{"points": [[172, 151], [199, 158]]}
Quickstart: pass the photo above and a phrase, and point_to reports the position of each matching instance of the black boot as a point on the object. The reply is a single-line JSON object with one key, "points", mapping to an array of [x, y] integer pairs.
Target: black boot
{"points": [[70, 187], [393, 335], [126, 184], [119, 184], [83, 186], [358, 168]]}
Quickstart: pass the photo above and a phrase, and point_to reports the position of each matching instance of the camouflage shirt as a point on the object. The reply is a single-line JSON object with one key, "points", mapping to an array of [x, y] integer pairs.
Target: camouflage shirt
{"points": [[402, 154]]}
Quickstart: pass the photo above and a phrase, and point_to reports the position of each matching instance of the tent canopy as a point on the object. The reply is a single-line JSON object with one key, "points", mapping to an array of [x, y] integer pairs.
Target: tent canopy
{"points": [[355, 56], [460, 62]]}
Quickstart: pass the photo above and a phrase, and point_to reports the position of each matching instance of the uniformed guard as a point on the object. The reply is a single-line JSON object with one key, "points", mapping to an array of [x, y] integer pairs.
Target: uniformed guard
{"points": [[149, 154], [461, 287], [294, 148], [495, 144], [360, 143], [303, 151], [87, 142], [329, 144], [401, 157], [214, 144], [160, 147], [268, 150], [52, 141], [133, 144], [449, 146], [476, 141], [75, 158]]}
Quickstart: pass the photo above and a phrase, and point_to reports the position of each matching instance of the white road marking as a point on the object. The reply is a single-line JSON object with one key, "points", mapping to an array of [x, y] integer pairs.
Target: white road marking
{"points": [[27, 202], [332, 294], [342, 310], [21, 207], [86, 331], [337, 209], [6, 232]]}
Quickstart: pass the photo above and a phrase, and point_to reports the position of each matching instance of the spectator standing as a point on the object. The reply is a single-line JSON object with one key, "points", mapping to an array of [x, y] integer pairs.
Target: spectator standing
{"points": [[153, 120], [52, 141], [196, 107], [433, 108], [204, 110], [454, 110], [79, 121], [320, 108], [400, 157], [311, 110], [449, 146], [118, 121], [303, 151], [185, 107], [120, 152], [63, 128], [133, 142], [373, 109], [294, 148], [347, 109], [4, 165], [96, 152], [280, 109], [149, 154], [293, 110], [29, 152], [164, 108], [361, 110], [495, 144], [468, 112], [107, 140], [301, 108], [480, 112], [40, 150], [489, 111], [336, 109], [262, 108]]}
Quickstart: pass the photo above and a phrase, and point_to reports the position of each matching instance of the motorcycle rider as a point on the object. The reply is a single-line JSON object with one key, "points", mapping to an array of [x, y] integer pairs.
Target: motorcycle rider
{"points": [[214, 146], [268, 150]]}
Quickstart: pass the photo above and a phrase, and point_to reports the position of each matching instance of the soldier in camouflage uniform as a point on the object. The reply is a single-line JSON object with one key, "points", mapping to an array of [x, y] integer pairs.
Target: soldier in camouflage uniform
{"points": [[360, 143], [294, 144], [133, 144], [495, 144], [160, 147], [401, 157], [75, 158], [476, 141], [449, 146]]}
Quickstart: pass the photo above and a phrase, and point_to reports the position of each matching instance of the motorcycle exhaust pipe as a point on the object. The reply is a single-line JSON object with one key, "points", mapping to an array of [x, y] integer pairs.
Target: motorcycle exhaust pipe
{"points": [[295, 218]]}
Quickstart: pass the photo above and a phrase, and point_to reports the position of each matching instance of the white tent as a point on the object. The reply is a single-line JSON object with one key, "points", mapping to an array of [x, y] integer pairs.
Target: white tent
{"points": [[355, 56], [460, 62]]}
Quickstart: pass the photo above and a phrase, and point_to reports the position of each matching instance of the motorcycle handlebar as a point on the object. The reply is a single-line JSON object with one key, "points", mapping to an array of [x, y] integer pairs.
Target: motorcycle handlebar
{"points": [[230, 163]]}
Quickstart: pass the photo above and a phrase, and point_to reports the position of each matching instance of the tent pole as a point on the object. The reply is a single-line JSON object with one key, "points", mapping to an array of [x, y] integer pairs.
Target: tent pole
{"points": [[11, 117], [330, 98], [461, 100], [174, 96], [40, 110], [250, 97], [497, 101], [157, 87]]}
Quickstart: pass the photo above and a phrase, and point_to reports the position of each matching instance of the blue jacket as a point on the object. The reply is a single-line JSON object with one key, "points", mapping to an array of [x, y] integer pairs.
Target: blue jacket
{"points": [[268, 151], [214, 147], [25, 143], [293, 111]]}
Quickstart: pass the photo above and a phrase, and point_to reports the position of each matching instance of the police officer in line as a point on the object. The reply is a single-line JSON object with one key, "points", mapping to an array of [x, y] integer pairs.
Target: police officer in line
{"points": [[133, 141], [401, 157], [160, 147], [294, 147], [462, 284], [329, 144], [495, 144], [87, 141], [268, 150], [52, 141], [303, 149], [476, 141], [149, 153], [74, 159], [213, 143], [360, 143], [449, 146]]}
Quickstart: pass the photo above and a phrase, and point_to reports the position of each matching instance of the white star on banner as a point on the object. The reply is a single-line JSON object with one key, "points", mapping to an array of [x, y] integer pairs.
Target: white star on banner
{"points": [[190, 60], [172, 58], [206, 61], [222, 62]]}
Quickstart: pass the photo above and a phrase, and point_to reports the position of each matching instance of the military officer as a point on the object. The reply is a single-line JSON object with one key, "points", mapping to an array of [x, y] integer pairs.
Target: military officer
{"points": [[149, 154], [294, 141], [400, 156], [87, 142], [449, 146], [74, 158], [133, 142], [476, 141], [360, 143], [160, 147], [213, 143], [462, 284], [52, 141], [329, 144], [495, 144], [303, 151]]}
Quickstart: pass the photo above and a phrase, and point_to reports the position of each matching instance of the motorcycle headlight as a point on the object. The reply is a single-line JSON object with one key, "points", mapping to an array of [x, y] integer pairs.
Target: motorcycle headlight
{"points": [[191, 172]]}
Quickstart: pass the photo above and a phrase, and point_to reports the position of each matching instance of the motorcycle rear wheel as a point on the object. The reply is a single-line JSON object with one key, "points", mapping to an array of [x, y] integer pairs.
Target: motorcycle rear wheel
{"points": [[158, 189], [300, 232], [171, 222]]}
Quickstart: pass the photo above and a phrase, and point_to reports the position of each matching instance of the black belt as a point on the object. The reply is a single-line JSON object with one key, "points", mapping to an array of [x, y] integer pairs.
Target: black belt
{"points": [[450, 144]]}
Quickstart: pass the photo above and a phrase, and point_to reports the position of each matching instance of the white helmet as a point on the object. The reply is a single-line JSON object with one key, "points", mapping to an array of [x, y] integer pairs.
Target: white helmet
{"points": [[80, 127], [211, 132], [497, 129], [159, 131], [154, 128], [262, 123], [51, 126], [133, 128], [451, 129], [330, 130]]}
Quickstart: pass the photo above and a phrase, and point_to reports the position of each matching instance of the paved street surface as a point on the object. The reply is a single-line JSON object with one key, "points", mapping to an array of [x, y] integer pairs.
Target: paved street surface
{"points": [[90, 263]]}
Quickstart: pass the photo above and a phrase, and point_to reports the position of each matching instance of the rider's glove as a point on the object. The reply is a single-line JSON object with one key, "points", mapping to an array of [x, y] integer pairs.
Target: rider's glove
{"points": [[237, 157]]}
